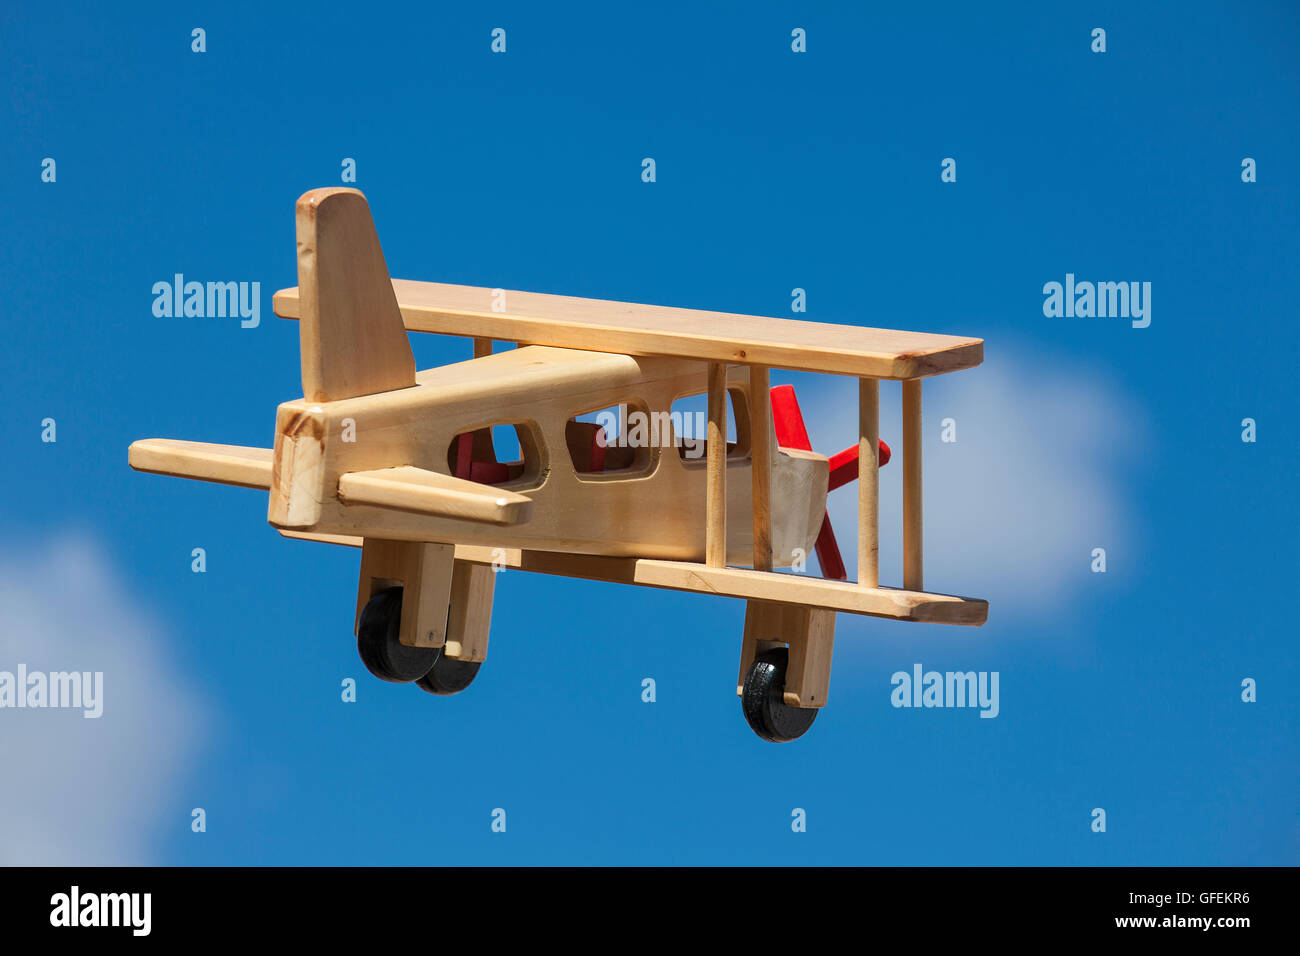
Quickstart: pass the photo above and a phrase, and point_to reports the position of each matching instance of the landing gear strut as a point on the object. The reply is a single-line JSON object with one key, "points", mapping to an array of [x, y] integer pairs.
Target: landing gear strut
{"points": [[389, 659]]}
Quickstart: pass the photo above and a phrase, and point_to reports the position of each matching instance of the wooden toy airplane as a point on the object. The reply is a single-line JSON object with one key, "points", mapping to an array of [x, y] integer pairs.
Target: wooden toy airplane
{"points": [[402, 464]]}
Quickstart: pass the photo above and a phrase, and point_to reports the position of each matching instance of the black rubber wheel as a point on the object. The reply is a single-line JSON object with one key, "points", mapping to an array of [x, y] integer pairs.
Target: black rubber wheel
{"points": [[448, 676], [762, 699], [383, 654]]}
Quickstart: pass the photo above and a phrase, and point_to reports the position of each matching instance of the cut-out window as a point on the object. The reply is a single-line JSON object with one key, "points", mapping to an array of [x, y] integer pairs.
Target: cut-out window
{"points": [[613, 441], [495, 454], [690, 420]]}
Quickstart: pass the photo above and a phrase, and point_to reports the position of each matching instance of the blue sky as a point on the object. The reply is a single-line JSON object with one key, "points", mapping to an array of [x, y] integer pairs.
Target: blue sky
{"points": [[775, 170]]}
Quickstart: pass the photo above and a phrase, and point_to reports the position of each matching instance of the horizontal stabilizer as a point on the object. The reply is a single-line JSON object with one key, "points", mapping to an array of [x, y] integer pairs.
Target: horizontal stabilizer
{"points": [[429, 493], [225, 464]]}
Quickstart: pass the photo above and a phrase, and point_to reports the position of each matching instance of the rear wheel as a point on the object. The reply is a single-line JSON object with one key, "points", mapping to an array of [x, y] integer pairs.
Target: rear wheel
{"points": [[448, 676], [763, 699], [383, 654]]}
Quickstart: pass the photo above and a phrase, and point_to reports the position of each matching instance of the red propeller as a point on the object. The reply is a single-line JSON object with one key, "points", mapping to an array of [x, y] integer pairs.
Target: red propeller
{"points": [[791, 433]]}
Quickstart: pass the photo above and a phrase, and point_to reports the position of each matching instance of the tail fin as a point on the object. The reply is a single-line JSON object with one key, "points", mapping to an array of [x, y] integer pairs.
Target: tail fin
{"points": [[353, 339]]}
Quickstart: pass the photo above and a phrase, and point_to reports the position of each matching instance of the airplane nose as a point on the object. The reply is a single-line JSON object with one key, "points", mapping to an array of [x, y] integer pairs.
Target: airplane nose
{"points": [[791, 432]]}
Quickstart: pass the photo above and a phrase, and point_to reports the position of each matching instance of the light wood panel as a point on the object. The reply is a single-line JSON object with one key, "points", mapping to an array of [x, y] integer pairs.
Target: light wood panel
{"points": [[637, 329]]}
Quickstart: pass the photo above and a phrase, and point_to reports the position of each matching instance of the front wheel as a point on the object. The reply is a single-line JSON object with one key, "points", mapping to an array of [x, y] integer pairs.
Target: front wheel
{"points": [[763, 699]]}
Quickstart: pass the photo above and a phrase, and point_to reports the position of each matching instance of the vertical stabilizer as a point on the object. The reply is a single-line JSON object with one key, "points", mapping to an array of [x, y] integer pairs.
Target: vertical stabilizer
{"points": [[353, 340]]}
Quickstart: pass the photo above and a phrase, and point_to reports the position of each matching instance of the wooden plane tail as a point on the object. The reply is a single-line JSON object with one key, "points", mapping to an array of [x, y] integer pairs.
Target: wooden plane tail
{"points": [[353, 339]]}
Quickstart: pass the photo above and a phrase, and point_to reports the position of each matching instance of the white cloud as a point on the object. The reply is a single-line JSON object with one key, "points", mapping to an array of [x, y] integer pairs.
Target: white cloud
{"points": [[1014, 508], [77, 791]]}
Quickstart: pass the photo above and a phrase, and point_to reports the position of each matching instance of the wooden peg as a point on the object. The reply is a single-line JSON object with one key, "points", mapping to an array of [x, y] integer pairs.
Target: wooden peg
{"points": [[715, 505]]}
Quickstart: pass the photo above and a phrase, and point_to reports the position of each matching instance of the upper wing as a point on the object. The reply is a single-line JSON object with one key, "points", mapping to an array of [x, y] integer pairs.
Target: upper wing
{"points": [[599, 325]]}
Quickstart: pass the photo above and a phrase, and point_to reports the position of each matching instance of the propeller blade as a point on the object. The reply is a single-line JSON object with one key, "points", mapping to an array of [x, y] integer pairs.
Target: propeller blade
{"points": [[844, 465]]}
